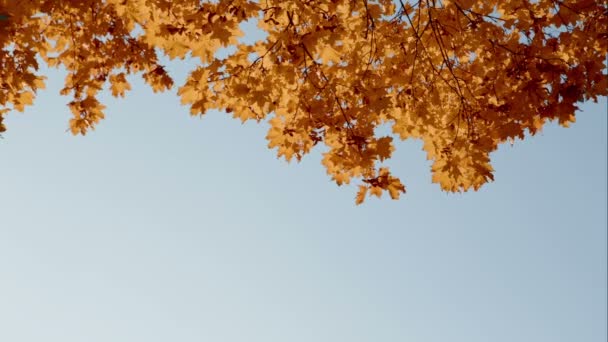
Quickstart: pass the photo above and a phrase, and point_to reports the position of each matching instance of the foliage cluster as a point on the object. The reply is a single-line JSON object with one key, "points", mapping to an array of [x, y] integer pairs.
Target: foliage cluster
{"points": [[461, 75]]}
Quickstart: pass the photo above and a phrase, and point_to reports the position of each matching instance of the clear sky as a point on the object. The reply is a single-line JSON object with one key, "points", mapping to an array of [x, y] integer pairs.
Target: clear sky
{"points": [[158, 226]]}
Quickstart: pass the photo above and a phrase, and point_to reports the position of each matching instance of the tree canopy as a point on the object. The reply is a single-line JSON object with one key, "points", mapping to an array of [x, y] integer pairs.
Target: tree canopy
{"points": [[463, 76]]}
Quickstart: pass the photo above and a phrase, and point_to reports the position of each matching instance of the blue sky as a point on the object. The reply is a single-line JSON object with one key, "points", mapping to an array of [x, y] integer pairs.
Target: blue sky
{"points": [[159, 226]]}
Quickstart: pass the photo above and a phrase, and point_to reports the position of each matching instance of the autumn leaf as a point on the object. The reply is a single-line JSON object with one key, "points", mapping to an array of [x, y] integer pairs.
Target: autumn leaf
{"points": [[119, 84], [361, 194]]}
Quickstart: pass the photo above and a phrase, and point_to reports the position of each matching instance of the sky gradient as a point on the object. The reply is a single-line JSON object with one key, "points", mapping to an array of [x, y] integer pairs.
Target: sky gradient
{"points": [[158, 226]]}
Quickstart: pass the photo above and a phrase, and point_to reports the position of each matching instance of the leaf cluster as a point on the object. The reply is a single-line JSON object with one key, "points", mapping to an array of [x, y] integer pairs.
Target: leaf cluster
{"points": [[464, 76]]}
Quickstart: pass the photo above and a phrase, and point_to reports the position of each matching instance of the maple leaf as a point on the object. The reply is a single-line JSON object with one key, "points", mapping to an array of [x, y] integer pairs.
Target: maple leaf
{"points": [[119, 84], [23, 99], [361, 194]]}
